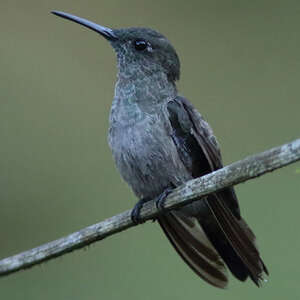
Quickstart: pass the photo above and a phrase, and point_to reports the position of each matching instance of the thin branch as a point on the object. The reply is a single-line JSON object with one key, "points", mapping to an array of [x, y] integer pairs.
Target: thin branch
{"points": [[243, 170]]}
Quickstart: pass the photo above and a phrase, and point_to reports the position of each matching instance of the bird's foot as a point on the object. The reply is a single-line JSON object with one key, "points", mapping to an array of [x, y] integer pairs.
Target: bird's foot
{"points": [[136, 211], [160, 204], [161, 199]]}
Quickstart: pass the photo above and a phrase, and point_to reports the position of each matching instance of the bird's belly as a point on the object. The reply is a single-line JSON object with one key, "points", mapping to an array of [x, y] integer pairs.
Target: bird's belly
{"points": [[147, 158]]}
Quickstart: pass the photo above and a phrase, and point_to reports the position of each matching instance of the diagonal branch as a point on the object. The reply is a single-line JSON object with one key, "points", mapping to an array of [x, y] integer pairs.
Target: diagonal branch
{"points": [[243, 170]]}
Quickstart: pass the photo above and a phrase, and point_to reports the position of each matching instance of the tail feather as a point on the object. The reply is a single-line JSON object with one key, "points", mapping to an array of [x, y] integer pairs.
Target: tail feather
{"points": [[207, 241], [222, 245], [195, 249], [252, 237], [240, 237]]}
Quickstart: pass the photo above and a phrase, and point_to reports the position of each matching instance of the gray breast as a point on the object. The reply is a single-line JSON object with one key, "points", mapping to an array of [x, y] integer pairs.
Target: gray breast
{"points": [[146, 155]]}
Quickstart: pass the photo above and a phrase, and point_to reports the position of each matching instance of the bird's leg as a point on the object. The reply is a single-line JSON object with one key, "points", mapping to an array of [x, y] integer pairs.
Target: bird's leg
{"points": [[160, 200], [135, 214]]}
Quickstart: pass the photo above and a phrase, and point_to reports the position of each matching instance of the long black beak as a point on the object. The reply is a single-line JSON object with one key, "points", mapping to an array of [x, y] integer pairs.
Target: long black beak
{"points": [[104, 31]]}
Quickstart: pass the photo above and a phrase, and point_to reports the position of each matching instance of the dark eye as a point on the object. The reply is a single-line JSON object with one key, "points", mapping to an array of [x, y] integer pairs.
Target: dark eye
{"points": [[140, 45]]}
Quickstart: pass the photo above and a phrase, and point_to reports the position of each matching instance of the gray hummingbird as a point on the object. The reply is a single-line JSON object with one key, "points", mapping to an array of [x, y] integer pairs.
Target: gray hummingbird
{"points": [[159, 141]]}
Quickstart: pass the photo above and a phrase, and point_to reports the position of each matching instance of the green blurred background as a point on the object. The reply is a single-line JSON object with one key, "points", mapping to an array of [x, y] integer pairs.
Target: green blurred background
{"points": [[240, 68]]}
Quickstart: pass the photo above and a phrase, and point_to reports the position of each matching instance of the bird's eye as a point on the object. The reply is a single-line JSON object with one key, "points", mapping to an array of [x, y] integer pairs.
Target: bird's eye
{"points": [[140, 45]]}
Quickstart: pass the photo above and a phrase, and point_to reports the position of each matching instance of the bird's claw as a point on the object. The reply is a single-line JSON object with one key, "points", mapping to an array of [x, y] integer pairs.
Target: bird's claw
{"points": [[160, 204], [161, 199], [136, 211]]}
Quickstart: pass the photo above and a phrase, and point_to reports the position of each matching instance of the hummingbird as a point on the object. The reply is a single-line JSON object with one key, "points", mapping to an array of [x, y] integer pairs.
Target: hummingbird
{"points": [[159, 141]]}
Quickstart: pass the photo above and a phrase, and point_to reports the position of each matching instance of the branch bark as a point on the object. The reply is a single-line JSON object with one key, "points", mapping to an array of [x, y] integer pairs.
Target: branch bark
{"points": [[241, 171]]}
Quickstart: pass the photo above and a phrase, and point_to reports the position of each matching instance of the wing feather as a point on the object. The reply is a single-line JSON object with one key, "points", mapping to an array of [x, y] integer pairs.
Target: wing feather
{"points": [[217, 233]]}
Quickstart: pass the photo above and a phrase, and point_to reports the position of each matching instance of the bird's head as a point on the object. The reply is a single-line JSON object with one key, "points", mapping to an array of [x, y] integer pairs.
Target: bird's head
{"points": [[138, 49]]}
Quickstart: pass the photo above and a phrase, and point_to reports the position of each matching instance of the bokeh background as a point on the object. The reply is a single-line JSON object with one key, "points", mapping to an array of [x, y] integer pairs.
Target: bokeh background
{"points": [[240, 68]]}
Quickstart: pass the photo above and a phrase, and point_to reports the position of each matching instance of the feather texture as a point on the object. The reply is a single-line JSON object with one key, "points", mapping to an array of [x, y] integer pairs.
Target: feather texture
{"points": [[192, 245], [217, 217]]}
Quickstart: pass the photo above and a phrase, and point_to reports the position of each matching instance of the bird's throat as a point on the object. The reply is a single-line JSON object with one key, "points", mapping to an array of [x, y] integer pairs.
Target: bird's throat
{"points": [[143, 90]]}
